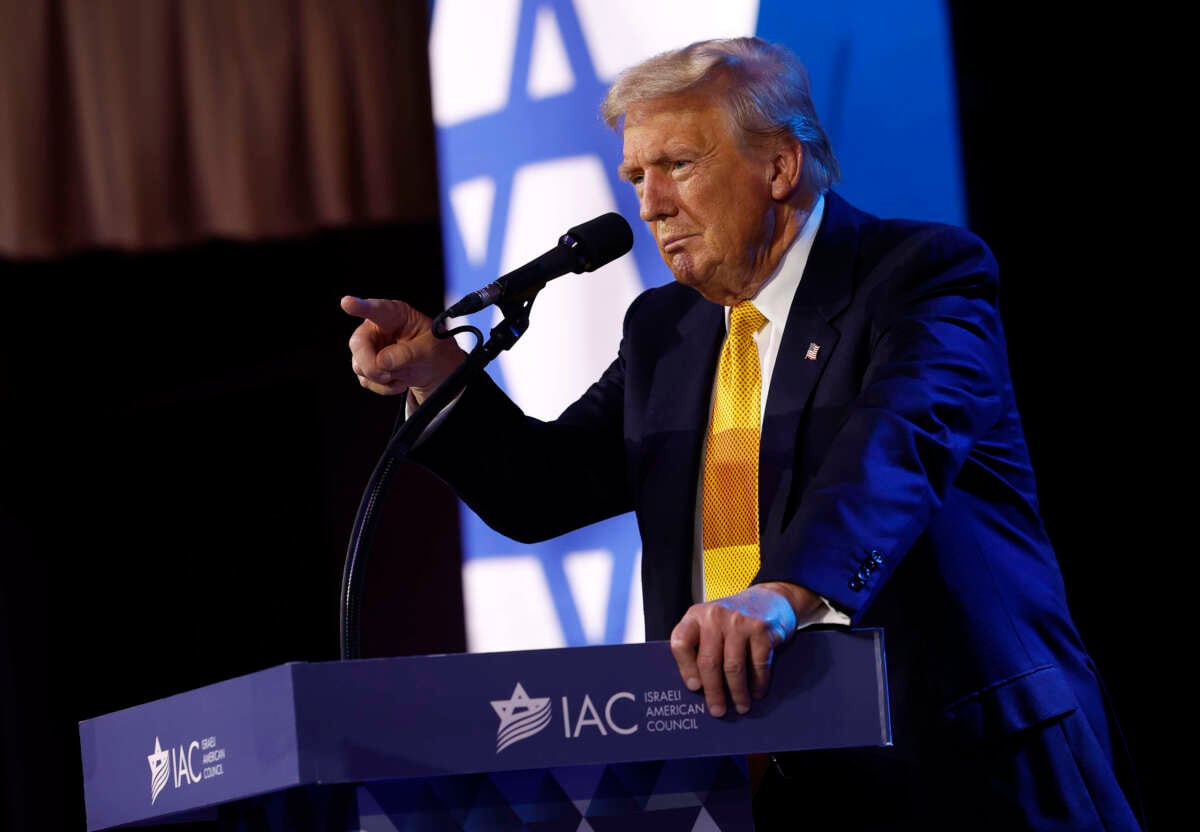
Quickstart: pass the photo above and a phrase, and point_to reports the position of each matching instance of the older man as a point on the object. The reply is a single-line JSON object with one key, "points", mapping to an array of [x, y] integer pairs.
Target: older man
{"points": [[814, 423]]}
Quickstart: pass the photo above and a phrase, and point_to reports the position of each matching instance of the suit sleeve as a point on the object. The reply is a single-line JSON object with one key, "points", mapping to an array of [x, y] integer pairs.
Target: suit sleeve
{"points": [[530, 479]]}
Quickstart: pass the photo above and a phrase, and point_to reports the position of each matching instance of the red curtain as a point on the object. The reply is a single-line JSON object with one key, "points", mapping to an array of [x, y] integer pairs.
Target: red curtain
{"points": [[140, 124]]}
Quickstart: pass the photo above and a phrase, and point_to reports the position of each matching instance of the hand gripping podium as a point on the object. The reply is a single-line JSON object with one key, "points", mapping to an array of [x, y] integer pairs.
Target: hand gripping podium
{"points": [[583, 738]]}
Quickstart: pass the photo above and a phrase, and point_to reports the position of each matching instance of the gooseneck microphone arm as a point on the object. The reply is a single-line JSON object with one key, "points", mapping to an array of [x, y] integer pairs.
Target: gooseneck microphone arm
{"points": [[503, 336]]}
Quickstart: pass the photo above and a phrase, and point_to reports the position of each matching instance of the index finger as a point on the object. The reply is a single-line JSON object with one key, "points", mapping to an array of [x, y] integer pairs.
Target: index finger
{"points": [[698, 647], [360, 307], [685, 641]]}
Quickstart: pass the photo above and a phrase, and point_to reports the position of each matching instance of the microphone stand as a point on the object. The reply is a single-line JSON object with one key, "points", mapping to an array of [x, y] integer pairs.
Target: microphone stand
{"points": [[503, 336]]}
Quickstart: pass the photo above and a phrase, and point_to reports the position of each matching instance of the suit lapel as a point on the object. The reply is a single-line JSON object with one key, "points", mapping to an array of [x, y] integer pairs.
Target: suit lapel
{"points": [[808, 341], [676, 420], [684, 372], [677, 413]]}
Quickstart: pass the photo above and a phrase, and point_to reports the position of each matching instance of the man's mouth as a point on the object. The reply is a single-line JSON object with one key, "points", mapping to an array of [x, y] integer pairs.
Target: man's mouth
{"points": [[674, 241]]}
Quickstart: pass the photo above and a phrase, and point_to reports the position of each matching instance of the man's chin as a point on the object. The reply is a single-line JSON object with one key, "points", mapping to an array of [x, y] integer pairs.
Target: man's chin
{"points": [[683, 268]]}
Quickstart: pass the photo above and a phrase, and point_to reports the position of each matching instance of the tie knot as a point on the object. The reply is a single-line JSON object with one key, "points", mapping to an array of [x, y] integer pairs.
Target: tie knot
{"points": [[745, 319]]}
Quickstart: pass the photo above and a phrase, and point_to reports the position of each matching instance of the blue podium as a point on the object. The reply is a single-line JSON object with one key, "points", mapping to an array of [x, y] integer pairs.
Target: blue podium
{"points": [[584, 738]]}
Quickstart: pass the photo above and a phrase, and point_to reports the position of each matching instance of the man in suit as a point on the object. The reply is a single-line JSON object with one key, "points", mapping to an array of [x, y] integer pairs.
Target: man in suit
{"points": [[894, 486]]}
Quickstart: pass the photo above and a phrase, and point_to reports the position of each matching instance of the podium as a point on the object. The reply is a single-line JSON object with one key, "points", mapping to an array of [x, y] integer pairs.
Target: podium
{"points": [[583, 738]]}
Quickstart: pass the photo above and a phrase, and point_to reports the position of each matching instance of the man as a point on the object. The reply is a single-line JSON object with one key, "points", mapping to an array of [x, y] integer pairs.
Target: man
{"points": [[887, 481]]}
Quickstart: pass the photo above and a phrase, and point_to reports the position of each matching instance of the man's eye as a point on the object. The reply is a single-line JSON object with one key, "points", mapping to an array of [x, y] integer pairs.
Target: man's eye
{"points": [[680, 164], [636, 179]]}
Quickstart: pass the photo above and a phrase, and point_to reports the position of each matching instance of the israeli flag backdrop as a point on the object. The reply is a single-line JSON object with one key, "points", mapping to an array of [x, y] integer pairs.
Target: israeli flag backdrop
{"points": [[523, 155]]}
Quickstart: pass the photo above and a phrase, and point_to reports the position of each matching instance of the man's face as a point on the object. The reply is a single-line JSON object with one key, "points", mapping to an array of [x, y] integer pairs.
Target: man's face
{"points": [[705, 195]]}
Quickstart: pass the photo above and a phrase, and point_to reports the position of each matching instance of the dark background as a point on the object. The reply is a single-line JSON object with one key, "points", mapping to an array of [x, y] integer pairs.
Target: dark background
{"points": [[184, 446]]}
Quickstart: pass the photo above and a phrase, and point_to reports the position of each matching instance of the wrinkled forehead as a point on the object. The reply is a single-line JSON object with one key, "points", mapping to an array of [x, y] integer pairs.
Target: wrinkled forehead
{"points": [[661, 129], [695, 105]]}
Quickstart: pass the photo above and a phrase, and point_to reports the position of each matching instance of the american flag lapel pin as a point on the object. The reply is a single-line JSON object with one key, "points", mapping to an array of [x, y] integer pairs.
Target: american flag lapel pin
{"points": [[813, 349]]}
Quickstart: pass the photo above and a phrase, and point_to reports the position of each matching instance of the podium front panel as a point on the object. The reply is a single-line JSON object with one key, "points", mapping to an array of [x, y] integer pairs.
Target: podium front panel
{"points": [[423, 717], [460, 713]]}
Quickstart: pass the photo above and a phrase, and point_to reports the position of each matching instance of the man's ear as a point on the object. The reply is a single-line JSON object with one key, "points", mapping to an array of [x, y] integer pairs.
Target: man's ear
{"points": [[786, 166]]}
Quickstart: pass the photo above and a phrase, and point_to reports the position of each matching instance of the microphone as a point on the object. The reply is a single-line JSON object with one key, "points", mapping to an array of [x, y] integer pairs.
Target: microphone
{"points": [[584, 248]]}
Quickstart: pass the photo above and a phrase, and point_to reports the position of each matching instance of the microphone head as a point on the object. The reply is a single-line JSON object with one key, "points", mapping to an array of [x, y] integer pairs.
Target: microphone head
{"points": [[598, 241]]}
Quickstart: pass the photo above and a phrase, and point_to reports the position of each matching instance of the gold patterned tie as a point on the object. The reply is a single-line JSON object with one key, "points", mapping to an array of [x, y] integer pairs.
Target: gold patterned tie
{"points": [[730, 508]]}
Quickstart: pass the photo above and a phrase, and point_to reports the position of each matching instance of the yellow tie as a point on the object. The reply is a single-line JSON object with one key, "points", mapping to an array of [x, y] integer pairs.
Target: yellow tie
{"points": [[730, 508]]}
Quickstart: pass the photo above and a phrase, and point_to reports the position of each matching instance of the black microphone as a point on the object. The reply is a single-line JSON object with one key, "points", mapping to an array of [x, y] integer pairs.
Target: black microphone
{"points": [[584, 248]]}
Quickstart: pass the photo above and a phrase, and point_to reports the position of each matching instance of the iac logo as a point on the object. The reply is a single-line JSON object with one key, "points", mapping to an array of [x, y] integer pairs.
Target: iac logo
{"points": [[180, 763], [184, 764], [523, 716]]}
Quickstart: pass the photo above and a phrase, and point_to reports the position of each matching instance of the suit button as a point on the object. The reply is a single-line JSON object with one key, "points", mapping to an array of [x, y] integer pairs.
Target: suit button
{"points": [[857, 583]]}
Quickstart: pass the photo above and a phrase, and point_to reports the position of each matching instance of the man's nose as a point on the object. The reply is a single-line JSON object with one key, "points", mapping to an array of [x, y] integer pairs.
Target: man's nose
{"points": [[658, 196]]}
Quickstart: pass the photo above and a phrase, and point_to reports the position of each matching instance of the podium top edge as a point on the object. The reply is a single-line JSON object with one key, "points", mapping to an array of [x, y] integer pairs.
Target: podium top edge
{"points": [[852, 632]]}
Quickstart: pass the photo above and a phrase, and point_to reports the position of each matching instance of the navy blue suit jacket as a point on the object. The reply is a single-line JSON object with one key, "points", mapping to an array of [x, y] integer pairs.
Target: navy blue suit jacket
{"points": [[895, 481]]}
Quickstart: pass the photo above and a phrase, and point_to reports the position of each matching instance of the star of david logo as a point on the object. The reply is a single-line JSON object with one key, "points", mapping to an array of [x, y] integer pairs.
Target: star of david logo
{"points": [[160, 770], [521, 716]]}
